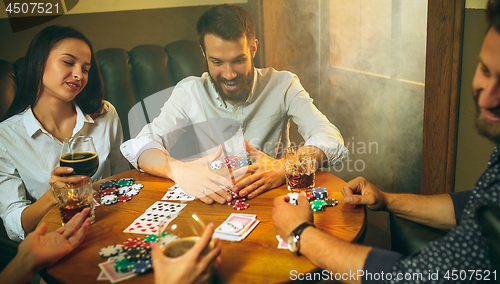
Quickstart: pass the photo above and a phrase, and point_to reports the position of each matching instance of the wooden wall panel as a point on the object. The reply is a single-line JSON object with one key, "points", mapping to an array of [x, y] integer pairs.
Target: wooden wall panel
{"points": [[442, 88]]}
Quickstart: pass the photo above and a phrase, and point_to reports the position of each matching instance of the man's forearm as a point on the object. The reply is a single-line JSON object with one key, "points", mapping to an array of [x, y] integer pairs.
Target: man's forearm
{"points": [[333, 254], [436, 211], [155, 162]]}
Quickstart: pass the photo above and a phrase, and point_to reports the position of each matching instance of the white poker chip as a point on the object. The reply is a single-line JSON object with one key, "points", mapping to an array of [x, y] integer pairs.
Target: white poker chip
{"points": [[137, 186], [132, 192], [110, 251], [109, 199], [124, 189], [165, 240], [120, 256]]}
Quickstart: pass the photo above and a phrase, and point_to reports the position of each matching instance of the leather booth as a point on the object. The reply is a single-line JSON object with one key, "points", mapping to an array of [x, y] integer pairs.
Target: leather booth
{"points": [[129, 78]]}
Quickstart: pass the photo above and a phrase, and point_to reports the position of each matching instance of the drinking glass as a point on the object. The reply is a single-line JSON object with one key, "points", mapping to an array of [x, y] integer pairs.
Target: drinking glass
{"points": [[73, 197], [79, 153], [300, 168], [179, 234]]}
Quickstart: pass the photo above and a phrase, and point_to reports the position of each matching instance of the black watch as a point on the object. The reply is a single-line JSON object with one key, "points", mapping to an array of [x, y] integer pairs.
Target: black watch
{"points": [[293, 239]]}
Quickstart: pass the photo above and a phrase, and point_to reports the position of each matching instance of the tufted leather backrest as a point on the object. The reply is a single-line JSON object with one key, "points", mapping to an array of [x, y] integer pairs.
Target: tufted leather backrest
{"points": [[129, 76]]}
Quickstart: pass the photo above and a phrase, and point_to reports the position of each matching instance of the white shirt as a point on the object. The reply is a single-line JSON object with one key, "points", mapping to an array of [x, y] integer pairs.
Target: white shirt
{"points": [[28, 154], [262, 119]]}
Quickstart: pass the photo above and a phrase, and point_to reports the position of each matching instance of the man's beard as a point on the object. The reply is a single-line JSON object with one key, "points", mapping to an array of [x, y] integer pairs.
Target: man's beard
{"points": [[245, 81], [485, 127]]}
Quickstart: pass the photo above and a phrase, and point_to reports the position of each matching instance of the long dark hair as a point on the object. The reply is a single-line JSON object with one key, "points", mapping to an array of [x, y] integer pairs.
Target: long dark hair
{"points": [[30, 75]]}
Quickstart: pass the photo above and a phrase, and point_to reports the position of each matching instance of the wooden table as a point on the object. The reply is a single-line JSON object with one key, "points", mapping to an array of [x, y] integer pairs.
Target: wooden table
{"points": [[256, 259]]}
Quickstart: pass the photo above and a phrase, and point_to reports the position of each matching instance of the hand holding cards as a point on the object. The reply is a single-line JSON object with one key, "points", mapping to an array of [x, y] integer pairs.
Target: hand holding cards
{"points": [[236, 227]]}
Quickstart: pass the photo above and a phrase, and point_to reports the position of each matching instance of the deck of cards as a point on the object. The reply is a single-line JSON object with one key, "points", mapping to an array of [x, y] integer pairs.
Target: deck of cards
{"points": [[148, 222], [236, 227]]}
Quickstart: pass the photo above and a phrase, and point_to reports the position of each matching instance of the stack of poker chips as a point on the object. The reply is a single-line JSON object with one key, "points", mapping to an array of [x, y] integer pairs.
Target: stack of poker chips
{"points": [[318, 205], [113, 191], [231, 162], [134, 255], [238, 202], [320, 192]]}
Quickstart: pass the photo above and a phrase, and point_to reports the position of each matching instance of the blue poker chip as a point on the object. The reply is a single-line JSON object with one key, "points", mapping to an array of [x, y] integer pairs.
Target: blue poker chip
{"points": [[320, 192], [107, 184], [243, 162], [142, 266]]}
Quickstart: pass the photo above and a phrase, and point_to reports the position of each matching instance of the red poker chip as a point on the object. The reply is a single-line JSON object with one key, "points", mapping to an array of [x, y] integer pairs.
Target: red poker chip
{"points": [[309, 196], [235, 201], [124, 198], [241, 206], [132, 243], [109, 191]]}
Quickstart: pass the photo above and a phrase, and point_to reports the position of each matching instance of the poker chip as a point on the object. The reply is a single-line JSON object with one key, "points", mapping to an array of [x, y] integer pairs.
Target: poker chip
{"points": [[127, 179], [109, 199], [150, 238], [119, 257], [110, 251], [122, 182], [109, 191], [243, 162], [331, 202], [318, 205], [123, 265], [142, 266], [241, 206], [136, 252], [231, 161], [309, 195], [294, 201], [320, 192], [123, 189], [124, 198], [236, 201], [132, 243], [132, 192], [107, 184], [137, 186], [217, 164]]}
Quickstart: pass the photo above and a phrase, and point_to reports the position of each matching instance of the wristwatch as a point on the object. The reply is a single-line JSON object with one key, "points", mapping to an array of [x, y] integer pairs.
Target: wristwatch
{"points": [[294, 237]]}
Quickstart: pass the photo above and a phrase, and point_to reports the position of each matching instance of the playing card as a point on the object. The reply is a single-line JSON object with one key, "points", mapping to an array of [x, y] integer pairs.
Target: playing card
{"points": [[235, 224], [165, 207], [237, 238], [176, 193], [96, 203], [282, 244], [142, 227], [155, 217], [109, 269]]}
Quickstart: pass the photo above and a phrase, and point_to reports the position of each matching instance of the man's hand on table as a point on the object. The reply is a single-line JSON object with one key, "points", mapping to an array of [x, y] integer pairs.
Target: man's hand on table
{"points": [[287, 217], [192, 267], [197, 180], [267, 173], [359, 191]]}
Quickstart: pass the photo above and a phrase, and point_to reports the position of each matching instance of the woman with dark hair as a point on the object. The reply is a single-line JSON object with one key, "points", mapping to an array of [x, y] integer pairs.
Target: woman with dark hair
{"points": [[60, 95]]}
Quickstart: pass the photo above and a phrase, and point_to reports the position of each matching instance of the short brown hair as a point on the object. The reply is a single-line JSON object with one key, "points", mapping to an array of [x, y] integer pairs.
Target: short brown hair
{"points": [[229, 22]]}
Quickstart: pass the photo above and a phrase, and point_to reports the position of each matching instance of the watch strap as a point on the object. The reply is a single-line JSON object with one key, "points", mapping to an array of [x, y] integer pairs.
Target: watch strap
{"points": [[296, 233]]}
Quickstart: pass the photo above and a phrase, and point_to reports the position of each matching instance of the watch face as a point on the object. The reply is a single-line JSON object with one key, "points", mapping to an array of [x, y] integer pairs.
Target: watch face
{"points": [[292, 243]]}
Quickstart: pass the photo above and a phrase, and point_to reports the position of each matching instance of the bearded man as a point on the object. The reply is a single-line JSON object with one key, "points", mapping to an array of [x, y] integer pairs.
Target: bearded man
{"points": [[237, 109]]}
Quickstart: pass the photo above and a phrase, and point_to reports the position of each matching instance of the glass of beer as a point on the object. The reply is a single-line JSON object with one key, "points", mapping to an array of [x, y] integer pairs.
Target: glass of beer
{"points": [[300, 168], [79, 153], [180, 232], [73, 197]]}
